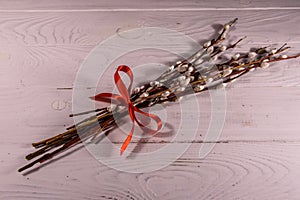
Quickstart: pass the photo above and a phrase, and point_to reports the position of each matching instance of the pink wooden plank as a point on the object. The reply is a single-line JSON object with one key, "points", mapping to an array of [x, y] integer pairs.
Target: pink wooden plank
{"points": [[251, 115], [231, 171], [51, 29], [142, 4], [46, 49], [56, 67]]}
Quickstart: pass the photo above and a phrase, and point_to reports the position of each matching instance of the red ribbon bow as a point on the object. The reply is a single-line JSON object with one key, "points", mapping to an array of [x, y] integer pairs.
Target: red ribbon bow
{"points": [[124, 99]]}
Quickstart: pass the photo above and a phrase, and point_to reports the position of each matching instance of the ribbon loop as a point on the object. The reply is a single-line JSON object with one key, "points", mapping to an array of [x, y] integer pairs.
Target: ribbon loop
{"points": [[124, 99]]}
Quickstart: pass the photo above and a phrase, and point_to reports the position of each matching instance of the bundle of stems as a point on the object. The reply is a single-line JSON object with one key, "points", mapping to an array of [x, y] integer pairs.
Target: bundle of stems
{"points": [[192, 75]]}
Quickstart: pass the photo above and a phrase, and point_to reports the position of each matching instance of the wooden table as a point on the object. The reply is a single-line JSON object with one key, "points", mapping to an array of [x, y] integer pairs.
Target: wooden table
{"points": [[43, 44]]}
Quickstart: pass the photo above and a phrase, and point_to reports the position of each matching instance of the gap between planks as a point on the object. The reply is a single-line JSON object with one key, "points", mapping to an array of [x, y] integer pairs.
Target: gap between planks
{"points": [[213, 142], [149, 9]]}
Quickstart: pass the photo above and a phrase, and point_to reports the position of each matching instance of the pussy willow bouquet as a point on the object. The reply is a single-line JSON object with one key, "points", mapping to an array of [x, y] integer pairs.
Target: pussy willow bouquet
{"points": [[192, 75]]}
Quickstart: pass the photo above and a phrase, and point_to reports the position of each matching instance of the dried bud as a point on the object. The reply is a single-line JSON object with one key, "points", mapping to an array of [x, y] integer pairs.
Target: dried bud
{"points": [[171, 68], [226, 26], [182, 68], [227, 72], [223, 48], [137, 90], [273, 51], [283, 56], [198, 88], [210, 49], [236, 56], [154, 83], [251, 55], [264, 63], [190, 69], [209, 80], [166, 93], [207, 44], [145, 94]]}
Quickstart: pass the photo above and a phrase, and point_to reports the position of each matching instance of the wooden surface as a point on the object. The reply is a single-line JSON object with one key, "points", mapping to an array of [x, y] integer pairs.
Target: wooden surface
{"points": [[43, 44]]}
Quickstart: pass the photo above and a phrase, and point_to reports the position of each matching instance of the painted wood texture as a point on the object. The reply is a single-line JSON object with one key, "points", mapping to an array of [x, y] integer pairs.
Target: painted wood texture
{"points": [[107, 5], [43, 44]]}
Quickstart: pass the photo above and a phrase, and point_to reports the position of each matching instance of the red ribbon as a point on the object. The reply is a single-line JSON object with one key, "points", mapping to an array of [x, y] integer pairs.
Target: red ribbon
{"points": [[124, 99]]}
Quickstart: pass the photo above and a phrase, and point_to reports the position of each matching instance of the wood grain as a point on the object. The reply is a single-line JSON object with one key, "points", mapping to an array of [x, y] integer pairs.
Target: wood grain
{"points": [[67, 28], [56, 67], [106, 5], [251, 115], [38, 49], [232, 170]]}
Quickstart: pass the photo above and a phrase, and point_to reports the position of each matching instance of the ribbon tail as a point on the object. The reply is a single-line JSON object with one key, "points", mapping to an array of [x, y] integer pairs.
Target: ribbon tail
{"points": [[127, 141]]}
